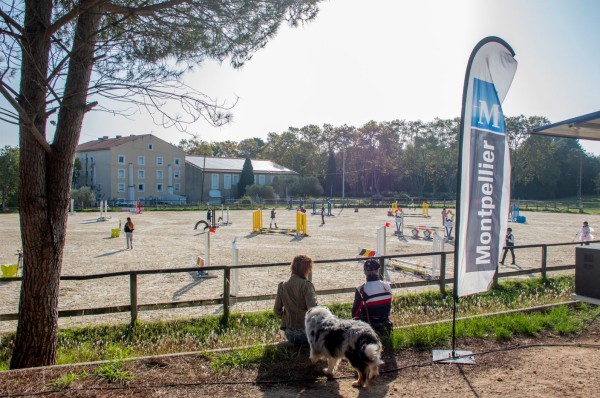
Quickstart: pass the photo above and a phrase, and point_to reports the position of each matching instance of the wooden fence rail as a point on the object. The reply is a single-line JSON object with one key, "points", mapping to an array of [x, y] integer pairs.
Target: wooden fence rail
{"points": [[134, 308]]}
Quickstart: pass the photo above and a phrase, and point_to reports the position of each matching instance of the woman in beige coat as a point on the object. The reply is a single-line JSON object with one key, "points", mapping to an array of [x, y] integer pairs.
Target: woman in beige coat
{"points": [[294, 298]]}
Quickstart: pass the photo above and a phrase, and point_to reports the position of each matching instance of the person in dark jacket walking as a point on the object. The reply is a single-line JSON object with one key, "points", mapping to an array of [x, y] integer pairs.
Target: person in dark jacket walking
{"points": [[273, 219], [510, 242], [128, 229], [322, 214]]}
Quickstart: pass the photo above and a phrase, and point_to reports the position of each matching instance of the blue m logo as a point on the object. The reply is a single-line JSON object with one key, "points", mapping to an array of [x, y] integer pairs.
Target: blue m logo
{"points": [[486, 113]]}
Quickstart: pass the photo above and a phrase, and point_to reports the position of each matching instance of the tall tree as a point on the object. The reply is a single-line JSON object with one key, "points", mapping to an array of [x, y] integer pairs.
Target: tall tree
{"points": [[9, 172], [195, 147], [225, 149], [248, 148], [138, 51], [246, 178], [76, 172]]}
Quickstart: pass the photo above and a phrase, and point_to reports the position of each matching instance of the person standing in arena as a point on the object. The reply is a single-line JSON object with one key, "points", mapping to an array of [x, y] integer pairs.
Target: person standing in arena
{"points": [[585, 234], [128, 229]]}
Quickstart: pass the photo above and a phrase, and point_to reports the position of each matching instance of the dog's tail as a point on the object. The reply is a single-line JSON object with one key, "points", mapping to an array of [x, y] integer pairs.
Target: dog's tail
{"points": [[373, 353]]}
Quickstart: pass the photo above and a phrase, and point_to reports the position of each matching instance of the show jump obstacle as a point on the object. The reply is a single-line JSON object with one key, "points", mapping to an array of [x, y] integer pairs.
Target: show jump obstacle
{"points": [[104, 211], [515, 217], [393, 211], [422, 270], [300, 230], [72, 211], [381, 246], [416, 230]]}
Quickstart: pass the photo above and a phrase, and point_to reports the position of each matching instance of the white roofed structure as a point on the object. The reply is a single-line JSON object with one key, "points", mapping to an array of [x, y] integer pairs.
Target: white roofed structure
{"points": [[236, 165], [216, 179]]}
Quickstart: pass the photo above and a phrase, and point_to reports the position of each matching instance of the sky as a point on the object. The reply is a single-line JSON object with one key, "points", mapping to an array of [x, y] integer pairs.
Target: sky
{"points": [[390, 59]]}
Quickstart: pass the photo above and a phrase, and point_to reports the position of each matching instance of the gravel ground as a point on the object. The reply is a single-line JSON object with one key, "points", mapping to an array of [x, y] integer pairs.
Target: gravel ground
{"points": [[167, 240]]}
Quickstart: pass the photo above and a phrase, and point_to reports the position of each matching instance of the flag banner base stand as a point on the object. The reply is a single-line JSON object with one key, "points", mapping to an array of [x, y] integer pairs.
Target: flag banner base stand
{"points": [[589, 300], [459, 357]]}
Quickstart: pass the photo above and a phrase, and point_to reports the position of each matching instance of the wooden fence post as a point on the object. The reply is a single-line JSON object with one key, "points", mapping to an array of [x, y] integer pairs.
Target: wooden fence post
{"points": [[133, 302], [496, 275], [443, 274], [544, 262], [226, 291], [382, 269]]}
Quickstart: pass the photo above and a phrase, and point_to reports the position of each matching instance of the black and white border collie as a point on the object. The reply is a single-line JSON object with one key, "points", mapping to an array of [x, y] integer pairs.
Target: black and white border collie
{"points": [[333, 339]]}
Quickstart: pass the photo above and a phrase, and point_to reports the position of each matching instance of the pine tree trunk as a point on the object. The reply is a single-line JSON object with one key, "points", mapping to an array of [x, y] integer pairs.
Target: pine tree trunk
{"points": [[44, 199]]}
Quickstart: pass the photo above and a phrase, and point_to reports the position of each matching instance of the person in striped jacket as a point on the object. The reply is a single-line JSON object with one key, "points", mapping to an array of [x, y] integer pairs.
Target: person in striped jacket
{"points": [[373, 300]]}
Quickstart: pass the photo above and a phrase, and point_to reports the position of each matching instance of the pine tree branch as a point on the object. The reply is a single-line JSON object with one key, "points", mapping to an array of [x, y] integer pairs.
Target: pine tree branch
{"points": [[11, 22], [26, 120], [148, 10], [71, 15]]}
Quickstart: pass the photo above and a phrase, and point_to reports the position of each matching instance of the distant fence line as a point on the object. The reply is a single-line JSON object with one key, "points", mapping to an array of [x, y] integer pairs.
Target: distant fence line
{"points": [[403, 202], [133, 308]]}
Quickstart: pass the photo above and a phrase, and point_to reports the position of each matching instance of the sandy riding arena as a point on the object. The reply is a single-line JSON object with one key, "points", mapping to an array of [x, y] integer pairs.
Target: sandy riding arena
{"points": [[168, 240]]}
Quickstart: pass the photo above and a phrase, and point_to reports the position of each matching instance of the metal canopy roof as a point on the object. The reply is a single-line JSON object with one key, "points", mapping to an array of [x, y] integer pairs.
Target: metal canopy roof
{"points": [[586, 127], [236, 165]]}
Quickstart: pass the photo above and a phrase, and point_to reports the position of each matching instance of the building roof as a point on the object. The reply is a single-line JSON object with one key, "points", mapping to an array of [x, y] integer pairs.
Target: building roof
{"points": [[585, 127], [107, 143], [236, 165]]}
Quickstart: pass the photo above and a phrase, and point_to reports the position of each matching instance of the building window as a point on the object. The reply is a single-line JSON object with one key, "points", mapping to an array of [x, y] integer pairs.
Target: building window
{"points": [[236, 179], [159, 161], [227, 181], [159, 187], [141, 160], [159, 174], [121, 174], [261, 180], [121, 159], [177, 174], [177, 162], [215, 181], [272, 178], [142, 187], [177, 187], [150, 147], [141, 173], [121, 187]]}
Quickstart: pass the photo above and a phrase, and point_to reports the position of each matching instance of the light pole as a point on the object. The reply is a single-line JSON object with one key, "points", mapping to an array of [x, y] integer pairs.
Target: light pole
{"points": [[343, 173], [579, 186], [580, 169]]}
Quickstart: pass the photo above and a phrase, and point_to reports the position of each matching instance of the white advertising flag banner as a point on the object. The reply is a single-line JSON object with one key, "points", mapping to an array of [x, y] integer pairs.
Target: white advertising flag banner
{"points": [[484, 164]]}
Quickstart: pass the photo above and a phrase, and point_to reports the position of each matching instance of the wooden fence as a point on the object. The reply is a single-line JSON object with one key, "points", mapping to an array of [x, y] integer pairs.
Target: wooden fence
{"points": [[226, 301]]}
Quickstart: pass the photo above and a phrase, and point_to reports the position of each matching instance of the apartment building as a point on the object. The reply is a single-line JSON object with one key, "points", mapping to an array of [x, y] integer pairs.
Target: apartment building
{"points": [[131, 168], [215, 179]]}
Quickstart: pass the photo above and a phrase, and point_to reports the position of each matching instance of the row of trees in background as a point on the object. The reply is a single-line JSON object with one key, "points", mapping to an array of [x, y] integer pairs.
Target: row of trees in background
{"points": [[414, 157]]}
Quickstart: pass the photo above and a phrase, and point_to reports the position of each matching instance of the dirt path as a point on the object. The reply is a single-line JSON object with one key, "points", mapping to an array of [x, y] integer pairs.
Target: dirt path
{"points": [[167, 240], [561, 371]]}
